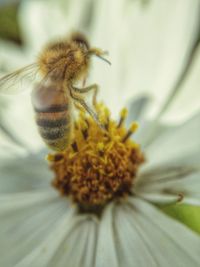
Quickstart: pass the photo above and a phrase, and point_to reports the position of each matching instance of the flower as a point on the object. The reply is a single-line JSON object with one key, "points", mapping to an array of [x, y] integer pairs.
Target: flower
{"points": [[128, 230], [38, 227]]}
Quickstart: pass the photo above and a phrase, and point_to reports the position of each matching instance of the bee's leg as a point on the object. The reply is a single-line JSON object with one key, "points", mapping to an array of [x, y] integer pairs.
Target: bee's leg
{"points": [[78, 106], [86, 107], [87, 89]]}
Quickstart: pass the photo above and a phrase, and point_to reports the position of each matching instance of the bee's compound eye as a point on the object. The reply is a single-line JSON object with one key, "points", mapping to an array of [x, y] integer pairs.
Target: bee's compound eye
{"points": [[81, 40]]}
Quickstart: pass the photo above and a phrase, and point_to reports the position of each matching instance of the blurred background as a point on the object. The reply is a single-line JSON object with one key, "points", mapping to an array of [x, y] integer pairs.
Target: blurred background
{"points": [[9, 25]]}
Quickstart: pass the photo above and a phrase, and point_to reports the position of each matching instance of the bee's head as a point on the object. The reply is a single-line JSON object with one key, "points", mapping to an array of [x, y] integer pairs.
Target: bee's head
{"points": [[84, 53], [82, 42]]}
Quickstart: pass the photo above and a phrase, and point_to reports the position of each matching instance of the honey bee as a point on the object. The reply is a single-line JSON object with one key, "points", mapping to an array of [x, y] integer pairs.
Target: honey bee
{"points": [[61, 65]]}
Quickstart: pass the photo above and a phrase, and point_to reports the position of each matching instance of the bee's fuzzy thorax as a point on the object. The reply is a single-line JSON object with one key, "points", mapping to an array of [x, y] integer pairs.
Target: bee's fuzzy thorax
{"points": [[63, 61]]}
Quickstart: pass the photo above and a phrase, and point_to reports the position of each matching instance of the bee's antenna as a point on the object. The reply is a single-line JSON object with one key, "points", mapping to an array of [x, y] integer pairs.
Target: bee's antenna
{"points": [[98, 53], [106, 60]]}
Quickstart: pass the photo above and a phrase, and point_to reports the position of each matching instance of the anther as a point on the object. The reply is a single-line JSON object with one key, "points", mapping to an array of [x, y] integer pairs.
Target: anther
{"points": [[85, 133], [132, 129], [74, 146], [123, 115], [55, 157], [84, 128], [50, 157], [100, 148], [58, 157]]}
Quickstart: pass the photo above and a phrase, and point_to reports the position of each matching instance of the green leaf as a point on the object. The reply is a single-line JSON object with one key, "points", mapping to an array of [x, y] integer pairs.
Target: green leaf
{"points": [[9, 27], [187, 214]]}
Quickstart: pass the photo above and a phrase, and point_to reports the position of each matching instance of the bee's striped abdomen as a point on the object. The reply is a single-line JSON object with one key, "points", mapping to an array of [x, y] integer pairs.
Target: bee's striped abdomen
{"points": [[52, 116]]}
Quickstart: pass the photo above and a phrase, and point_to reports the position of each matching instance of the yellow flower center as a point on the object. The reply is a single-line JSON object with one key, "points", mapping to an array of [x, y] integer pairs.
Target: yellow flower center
{"points": [[99, 166]]}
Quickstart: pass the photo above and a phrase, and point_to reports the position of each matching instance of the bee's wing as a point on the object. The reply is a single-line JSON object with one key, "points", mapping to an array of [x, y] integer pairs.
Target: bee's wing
{"points": [[19, 80]]}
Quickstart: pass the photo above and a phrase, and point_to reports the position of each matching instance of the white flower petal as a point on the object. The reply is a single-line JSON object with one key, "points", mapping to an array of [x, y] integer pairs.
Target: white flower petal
{"points": [[11, 57], [106, 254], [144, 129], [9, 149], [71, 241], [175, 143], [169, 242], [131, 248], [152, 61], [25, 221], [9, 136], [24, 173], [79, 246], [43, 253], [13, 201], [142, 235], [186, 102], [172, 171], [170, 184], [49, 231], [20, 112], [137, 108]]}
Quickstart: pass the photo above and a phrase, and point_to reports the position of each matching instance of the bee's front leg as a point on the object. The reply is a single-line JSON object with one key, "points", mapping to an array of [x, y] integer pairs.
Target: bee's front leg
{"points": [[75, 95]]}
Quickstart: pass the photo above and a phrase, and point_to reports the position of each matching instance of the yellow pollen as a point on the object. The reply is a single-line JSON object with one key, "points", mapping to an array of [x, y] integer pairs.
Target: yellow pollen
{"points": [[123, 115], [99, 166]]}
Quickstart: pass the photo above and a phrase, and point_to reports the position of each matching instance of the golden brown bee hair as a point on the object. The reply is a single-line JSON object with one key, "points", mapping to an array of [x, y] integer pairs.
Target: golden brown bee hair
{"points": [[68, 60]]}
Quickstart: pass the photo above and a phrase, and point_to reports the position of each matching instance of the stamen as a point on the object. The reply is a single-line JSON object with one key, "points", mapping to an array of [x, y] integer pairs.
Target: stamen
{"points": [[74, 146], [107, 118], [132, 129], [85, 134], [123, 115], [84, 129], [100, 148]]}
